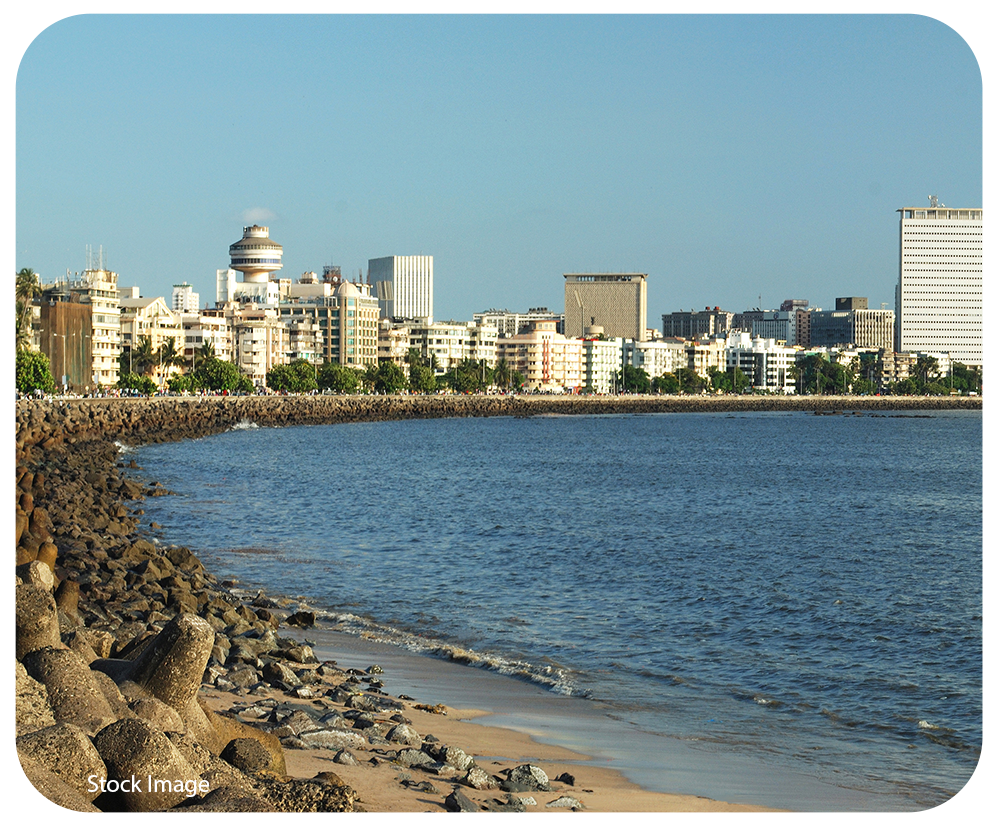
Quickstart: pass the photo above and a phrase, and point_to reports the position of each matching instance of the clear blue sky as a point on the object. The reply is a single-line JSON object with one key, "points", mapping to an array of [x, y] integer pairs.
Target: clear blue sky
{"points": [[729, 157]]}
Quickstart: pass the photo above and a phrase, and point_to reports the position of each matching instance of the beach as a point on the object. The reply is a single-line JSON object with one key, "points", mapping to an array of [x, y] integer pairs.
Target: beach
{"points": [[79, 516]]}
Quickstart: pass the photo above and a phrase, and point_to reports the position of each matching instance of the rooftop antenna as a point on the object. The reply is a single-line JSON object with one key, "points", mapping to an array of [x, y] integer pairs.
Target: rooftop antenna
{"points": [[933, 200]]}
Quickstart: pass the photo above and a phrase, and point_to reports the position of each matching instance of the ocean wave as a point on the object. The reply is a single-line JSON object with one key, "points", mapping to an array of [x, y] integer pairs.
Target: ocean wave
{"points": [[245, 424], [553, 677]]}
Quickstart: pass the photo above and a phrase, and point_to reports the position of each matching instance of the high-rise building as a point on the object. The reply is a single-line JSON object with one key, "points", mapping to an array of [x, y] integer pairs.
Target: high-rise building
{"points": [[184, 299], [404, 286], [707, 322], [939, 295], [614, 301]]}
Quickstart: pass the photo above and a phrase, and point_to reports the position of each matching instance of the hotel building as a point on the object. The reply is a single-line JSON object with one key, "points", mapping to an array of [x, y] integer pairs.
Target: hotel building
{"points": [[939, 295]]}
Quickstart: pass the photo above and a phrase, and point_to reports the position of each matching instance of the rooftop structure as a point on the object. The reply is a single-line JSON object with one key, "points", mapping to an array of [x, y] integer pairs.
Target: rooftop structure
{"points": [[255, 255]]}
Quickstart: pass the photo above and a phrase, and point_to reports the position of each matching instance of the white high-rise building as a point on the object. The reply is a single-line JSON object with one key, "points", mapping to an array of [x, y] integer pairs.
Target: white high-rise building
{"points": [[939, 295], [404, 286], [184, 299]]}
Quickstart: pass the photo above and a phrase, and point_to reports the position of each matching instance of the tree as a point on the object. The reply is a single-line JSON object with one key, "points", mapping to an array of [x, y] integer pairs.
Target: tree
{"points": [[137, 383], [218, 375], [338, 378], [502, 374], [140, 359], [925, 366], [297, 377], [26, 288], [633, 379], [167, 355], [422, 379], [667, 383], [203, 354], [389, 378], [32, 372]]}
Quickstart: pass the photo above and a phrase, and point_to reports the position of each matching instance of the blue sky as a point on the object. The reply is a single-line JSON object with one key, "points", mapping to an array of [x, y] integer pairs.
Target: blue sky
{"points": [[739, 160]]}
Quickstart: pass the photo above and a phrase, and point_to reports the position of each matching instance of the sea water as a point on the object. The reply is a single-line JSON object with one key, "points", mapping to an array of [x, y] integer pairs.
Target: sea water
{"points": [[797, 593]]}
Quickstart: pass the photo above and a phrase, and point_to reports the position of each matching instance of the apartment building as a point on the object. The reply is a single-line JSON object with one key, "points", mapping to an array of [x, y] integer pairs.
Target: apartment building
{"points": [[548, 360]]}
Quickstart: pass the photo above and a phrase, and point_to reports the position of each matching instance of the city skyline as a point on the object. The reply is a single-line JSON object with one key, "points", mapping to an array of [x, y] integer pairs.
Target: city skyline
{"points": [[730, 158]]}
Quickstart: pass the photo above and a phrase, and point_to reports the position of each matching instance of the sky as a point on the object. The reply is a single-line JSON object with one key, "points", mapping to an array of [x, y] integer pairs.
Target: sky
{"points": [[738, 160]]}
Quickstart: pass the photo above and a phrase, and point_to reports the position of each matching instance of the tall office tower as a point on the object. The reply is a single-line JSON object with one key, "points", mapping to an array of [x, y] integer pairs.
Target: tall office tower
{"points": [[614, 301], [404, 285], [939, 295]]}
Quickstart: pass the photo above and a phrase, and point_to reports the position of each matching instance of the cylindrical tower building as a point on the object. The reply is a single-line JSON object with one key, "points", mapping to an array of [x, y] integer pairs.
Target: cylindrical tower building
{"points": [[255, 255]]}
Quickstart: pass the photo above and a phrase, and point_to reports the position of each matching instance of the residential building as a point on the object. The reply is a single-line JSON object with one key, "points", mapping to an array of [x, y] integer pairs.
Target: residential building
{"points": [[602, 361], [548, 360], [707, 354], [184, 299], [510, 324], [259, 340], [393, 342], [211, 326], [446, 344], [404, 286], [657, 357], [766, 363], [939, 295], [614, 301], [151, 318]]}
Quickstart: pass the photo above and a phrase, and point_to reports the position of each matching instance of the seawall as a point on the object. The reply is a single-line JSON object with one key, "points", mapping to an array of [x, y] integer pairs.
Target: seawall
{"points": [[135, 421]]}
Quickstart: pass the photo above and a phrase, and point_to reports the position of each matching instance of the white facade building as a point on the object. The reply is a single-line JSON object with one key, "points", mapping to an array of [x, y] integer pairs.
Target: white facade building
{"points": [[939, 295], [510, 324], [767, 364], [452, 342], [184, 299], [546, 359], [100, 288], [657, 357], [404, 286], [602, 362]]}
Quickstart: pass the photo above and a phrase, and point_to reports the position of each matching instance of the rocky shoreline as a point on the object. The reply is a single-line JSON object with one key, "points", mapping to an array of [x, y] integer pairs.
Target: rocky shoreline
{"points": [[117, 636]]}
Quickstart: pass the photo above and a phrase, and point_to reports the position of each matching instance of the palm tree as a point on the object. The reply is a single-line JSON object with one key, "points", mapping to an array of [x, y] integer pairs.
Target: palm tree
{"points": [[202, 354], [143, 356], [26, 289]]}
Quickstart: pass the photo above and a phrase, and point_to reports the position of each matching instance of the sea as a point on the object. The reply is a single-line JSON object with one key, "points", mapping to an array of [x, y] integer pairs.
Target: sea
{"points": [[779, 608]]}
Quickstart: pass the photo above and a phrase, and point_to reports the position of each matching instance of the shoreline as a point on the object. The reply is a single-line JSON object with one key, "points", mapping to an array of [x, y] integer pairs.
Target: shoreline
{"points": [[48, 431]]}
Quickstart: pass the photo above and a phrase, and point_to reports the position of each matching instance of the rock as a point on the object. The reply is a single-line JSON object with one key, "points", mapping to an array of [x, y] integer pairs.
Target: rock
{"points": [[54, 788], [247, 755], [405, 734], [331, 739], [66, 751], [478, 778], [531, 778], [33, 711], [345, 758], [276, 672], [412, 757], [228, 728], [158, 714], [301, 654], [36, 621], [458, 802], [564, 802], [38, 574], [73, 692], [132, 749], [307, 795], [566, 778], [303, 619]]}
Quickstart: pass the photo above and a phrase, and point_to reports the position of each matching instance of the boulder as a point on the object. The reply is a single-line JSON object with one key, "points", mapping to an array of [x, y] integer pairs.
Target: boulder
{"points": [[66, 751], [55, 788], [531, 778], [38, 574], [458, 802], [405, 734], [73, 691], [246, 754], [133, 750], [36, 620], [31, 704]]}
